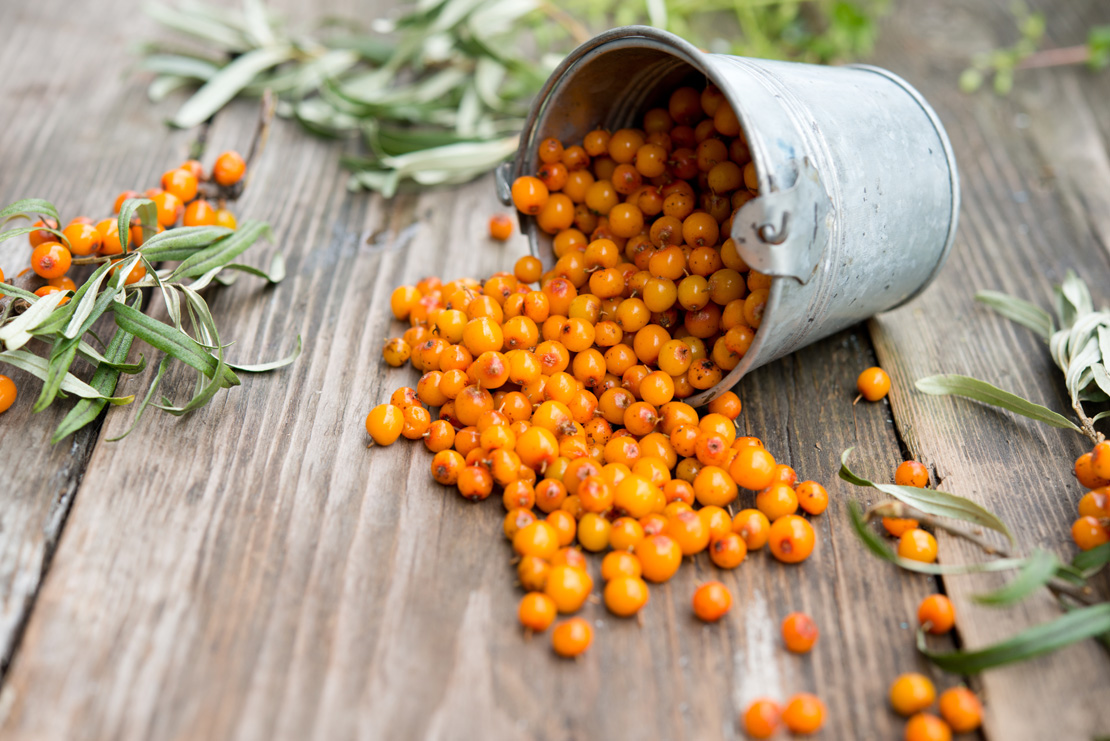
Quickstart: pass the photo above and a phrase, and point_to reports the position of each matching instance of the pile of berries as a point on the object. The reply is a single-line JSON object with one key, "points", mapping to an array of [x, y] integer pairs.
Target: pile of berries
{"points": [[1092, 470], [185, 199]]}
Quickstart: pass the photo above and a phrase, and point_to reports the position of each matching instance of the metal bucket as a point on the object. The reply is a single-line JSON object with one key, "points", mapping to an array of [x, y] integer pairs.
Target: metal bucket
{"points": [[858, 190]]}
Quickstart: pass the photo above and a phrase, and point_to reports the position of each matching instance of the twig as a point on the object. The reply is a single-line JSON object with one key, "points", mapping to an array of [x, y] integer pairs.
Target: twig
{"points": [[1061, 57]]}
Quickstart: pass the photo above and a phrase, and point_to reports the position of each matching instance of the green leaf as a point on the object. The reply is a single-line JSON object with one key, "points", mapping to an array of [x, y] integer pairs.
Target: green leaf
{"points": [[95, 357], [17, 333], [170, 340], [930, 501], [199, 26], [12, 233], [104, 380], [1037, 571], [1091, 562], [1024, 313], [61, 359], [180, 65], [973, 388], [876, 545], [181, 243], [7, 289], [221, 252], [272, 365], [71, 384], [146, 399], [148, 218], [275, 275], [228, 83], [30, 206], [1075, 626], [85, 302]]}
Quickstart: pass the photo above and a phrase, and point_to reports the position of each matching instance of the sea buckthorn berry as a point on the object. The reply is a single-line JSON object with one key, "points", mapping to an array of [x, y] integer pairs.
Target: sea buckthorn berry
{"points": [[911, 693], [550, 495], [717, 520], [568, 587], [659, 557], [918, 545], [713, 486], [1089, 532], [619, 563], [550, 150], [728, 405], [124, 196], [528, 269], [1100, 460], [911, 473], [799, 632], [728, 552], [181, 183], [529, 194], [926, 727], [396, 352], [688, 530], [777, 500], [50, 260], [873, 384], [539, 539], [565, 526], [625, 534], [519, 494], [226, 219], [784, 474], [572, 637], [446, 466], [536, 611], [753, 526], [897, 526], [384, 423], [532, 572], [961, 709], [711, 601], [711, 449], [936, 614], [554, 175], [475, 483], [440, 436], [84, 239], [804, 713], [64, 283], [625, 595], [1085, 474], [791, 539], [812, 497], [762, 718], [200, 213], [593, 532], [229, 168], [753, 468], [49, 289], [8, 393], [515, 519], [41, 236], [704, 374], [1095, 503]]}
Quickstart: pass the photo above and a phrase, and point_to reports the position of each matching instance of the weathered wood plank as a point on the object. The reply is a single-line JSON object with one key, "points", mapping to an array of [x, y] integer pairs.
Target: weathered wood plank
{"points": [[1021, 229], [76, 132]]}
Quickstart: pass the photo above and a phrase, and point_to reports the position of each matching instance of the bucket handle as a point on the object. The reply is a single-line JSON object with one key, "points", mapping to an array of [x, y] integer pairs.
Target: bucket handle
{"points": [[783, 233]]}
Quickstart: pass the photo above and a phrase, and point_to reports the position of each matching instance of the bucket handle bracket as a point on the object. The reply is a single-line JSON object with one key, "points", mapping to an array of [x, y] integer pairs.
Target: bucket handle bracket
{"points": [[783, 233]]}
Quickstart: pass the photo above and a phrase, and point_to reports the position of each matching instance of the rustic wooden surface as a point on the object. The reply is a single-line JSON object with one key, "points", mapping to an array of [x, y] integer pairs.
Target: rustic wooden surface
{"points": [[254, 571]]}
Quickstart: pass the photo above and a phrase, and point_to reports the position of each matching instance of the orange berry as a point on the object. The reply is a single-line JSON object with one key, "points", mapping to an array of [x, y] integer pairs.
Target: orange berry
{"points": [[571, 637], [42, 236], [918, 545], [873, 384], [1089, 532], [619, 563], [84, 239], [50, 260], [911, 473], [753, 468], [961, 709], [791, 539], [626, 595], [226, 219], [728, 551], [529, 194], [753, 526], [538, 539], [799, 632], [926, 727], [49, 289], [1095, 503], [180, 182], [199, 213], [659, 557], [911, 693], [897, 526], [125, 196], [713, 486], [8, 393], [169, 207], [536, 611], [475, 482], [711, 601], [689, 531], [1100, 460], [1085, 474], [446, 465], [229, 168], [812, 497], [568, 587], [804, 713], [384, 423], [936, 614], [777, 500], [762, 718]]}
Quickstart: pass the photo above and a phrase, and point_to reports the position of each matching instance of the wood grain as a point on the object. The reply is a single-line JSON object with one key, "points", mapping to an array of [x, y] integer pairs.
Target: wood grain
{"points": [[75, 134], [1031, 211]]}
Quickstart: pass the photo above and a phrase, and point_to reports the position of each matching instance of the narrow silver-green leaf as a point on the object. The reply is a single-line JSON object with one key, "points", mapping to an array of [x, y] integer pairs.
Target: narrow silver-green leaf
{"points": [[71, 384], [179, 65], [30, 206], [84, 301], [169, 340], [17, 333], [930, 501], [7, 289], [273, 364], [1075, 626], [227, 83], [148, 219], [973, 388], [276, 273], [198, 26], [1038, 570], [146, 399], [182, 242], [12, 233], [1024, 313], [221, 252], [1091, 562]]}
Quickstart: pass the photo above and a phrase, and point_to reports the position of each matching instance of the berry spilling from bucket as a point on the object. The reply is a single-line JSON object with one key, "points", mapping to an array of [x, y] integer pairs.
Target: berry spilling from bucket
{"points": [[562, 390]]}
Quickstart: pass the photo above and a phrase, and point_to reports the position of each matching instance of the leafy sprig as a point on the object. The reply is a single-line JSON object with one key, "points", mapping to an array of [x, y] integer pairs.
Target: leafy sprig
{"points": [[62, 332]]}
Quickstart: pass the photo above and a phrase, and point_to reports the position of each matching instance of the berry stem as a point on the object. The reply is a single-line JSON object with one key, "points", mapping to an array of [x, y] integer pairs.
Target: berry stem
{"points": [[1088, 426]]}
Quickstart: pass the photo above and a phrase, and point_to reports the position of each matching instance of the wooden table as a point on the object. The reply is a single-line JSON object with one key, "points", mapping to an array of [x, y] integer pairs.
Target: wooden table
{"points": [[253, 571]]}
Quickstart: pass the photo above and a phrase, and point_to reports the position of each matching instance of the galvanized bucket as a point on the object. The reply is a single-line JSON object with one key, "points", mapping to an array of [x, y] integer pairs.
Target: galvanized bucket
{"points": [[859, 194]]}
